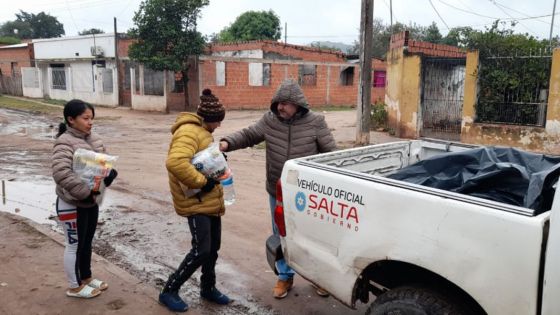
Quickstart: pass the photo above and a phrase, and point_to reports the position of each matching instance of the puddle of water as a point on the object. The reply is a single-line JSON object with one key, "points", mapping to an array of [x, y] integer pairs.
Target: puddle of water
{"points": [[35, 201], [36, 127]]}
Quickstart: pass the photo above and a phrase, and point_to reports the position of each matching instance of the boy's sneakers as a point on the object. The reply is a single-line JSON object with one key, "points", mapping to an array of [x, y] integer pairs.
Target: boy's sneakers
{"points": [[173, 301], [282, 287], [215, 296]]}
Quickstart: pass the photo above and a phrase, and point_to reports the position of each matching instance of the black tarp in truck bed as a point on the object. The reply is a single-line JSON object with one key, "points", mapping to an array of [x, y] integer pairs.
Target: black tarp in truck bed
{"points": [[506, 175]]}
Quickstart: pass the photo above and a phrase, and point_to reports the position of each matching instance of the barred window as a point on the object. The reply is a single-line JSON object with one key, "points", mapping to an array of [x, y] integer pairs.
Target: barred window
{"points": [[58, 77]]}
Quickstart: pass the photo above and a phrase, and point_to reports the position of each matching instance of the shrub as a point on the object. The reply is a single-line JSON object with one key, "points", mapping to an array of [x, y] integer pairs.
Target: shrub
{"points": [[379, 115], [9, 40]]}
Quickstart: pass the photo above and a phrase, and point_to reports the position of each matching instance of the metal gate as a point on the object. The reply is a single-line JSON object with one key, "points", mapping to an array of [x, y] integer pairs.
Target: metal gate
{"points": [[514, 88], [442, 90]]}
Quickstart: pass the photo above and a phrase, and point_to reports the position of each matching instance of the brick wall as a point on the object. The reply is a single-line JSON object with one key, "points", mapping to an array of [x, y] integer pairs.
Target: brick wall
{"points": [[237, 93], [122, 46], [19, 56], [401, 39]]}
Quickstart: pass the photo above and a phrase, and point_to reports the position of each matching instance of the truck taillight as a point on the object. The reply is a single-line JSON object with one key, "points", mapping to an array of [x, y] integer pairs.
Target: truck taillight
{"points": [[279, 210]]}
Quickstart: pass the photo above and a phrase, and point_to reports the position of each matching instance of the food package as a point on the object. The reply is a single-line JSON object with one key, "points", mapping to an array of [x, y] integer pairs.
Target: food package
{"points": [[92, 167]]}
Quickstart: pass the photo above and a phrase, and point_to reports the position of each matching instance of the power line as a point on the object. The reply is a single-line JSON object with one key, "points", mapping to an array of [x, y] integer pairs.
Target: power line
{"points": [[390, 11], [438, 14], [470, 12], [530, 30], [517, 11], [126, 7], [498, 18], [72, 17]]}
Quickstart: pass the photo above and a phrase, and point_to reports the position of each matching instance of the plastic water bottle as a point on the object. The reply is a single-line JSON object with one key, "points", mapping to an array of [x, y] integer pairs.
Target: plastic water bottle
{"points": [[227, 185]]}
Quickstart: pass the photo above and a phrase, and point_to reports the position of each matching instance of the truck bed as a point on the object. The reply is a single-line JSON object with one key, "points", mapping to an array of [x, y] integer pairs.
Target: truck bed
{"points": [[376, 162]]}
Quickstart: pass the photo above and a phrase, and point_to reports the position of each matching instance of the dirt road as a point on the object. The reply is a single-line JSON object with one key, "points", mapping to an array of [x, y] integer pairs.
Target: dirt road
{"points": [[139, 229]]}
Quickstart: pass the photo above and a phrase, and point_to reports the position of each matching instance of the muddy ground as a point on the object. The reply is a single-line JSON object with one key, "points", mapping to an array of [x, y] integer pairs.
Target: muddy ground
{"points": [[139, 230]]}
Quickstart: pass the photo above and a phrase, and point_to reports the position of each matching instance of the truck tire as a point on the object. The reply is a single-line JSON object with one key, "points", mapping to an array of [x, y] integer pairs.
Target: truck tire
{"points": [[411, 300]]}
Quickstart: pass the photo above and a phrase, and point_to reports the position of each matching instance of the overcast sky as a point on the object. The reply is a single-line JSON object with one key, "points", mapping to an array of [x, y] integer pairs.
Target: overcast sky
{"points": [[307, 20]]}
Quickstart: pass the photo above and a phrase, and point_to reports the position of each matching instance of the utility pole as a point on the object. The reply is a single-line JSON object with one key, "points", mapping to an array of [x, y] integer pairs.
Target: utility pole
{"points": [[391, 13], [285, 32], [363, 108], [119, 90], [552, 24]]}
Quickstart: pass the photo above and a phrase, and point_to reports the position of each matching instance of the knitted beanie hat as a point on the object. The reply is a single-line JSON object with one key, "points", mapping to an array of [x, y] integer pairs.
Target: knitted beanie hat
{"points": [[210, 107]]}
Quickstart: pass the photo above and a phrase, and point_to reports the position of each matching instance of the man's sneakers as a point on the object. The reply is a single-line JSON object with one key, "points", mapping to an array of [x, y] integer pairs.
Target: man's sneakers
{"points": [[282, 287], [173, 301], [215, 296]]}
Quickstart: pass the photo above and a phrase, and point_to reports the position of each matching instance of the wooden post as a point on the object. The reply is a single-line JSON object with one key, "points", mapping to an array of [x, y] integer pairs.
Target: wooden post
{"points": [[363, 107]]}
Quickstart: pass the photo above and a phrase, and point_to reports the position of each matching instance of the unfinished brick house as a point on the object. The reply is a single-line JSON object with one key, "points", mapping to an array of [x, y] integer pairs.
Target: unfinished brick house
{"points": [[246, 74], [12, 59]]}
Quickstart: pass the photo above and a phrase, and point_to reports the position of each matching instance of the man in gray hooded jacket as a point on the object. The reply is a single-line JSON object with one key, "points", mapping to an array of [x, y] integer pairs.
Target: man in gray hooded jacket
{"points": [[291, 131]]}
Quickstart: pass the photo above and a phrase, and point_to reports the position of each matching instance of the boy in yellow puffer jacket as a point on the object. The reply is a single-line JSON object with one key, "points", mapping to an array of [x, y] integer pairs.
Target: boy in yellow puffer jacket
{"points": [[193, 133]]}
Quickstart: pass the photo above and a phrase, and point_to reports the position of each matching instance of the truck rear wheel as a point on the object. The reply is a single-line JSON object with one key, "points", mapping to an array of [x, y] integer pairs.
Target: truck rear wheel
{"points": [[411, 300]]}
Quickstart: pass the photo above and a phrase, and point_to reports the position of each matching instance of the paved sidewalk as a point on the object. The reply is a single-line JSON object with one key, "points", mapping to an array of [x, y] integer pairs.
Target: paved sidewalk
{"points": [[32, 279]]}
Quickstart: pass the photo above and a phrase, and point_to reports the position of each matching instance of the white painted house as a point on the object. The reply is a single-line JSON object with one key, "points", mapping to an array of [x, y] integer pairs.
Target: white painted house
{"points": [[80, 67]]}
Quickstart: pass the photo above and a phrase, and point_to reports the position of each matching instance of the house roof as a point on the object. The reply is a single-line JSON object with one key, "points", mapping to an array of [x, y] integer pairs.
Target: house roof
{"points": [[263, 43], [53, 39]]}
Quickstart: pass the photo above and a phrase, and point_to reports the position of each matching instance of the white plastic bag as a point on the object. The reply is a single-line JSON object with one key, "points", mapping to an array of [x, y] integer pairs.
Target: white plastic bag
{"points": [[92, 167], [211, 162]]}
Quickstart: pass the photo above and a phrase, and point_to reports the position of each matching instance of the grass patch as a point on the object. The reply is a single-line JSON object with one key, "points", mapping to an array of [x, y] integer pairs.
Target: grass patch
{"points": [[260, 146], [54, 102], [28, 106], [334, 108]]}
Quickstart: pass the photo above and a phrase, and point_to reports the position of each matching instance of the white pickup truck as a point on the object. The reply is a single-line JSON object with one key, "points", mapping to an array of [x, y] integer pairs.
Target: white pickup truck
{"points": [[351, 230]]}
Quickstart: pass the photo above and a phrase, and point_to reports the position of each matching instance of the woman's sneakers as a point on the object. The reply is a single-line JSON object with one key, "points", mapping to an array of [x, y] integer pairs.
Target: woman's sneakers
{"points": [[173, 301], [215, 296]]}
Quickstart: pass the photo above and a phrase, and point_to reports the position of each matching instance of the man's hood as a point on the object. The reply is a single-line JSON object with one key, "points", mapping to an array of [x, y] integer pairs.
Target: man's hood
{"points": [[289, 92], [186, 118]]}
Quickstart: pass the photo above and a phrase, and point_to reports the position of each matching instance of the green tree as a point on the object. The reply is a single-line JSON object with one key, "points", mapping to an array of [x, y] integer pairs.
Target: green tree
{"points": [[382, 36], [167, 35], [30, 25], [432, 34], [91, 31], [325, 46], [458, 36], [252, 25]]}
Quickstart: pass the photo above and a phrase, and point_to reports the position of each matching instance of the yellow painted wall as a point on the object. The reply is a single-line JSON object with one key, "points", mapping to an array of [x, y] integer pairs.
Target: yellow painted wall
{"points": [[393, 87], [410, 97], [537, 139], [402, 92]]}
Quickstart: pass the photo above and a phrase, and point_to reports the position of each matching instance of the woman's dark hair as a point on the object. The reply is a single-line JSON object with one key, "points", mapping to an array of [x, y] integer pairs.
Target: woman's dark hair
{"points": [[73, 108]]}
